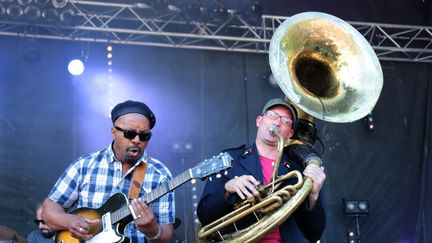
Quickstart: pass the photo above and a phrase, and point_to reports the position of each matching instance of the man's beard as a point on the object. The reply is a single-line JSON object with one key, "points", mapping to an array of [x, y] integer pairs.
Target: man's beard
{"points": [[132, 159]]}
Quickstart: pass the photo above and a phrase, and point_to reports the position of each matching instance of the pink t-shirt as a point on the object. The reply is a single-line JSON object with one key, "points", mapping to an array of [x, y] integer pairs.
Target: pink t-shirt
{"points": [[267, 172]]}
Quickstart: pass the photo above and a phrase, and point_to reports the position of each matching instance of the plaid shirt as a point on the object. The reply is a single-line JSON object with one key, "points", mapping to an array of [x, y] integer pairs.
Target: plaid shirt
{"points": [[91, 180]]}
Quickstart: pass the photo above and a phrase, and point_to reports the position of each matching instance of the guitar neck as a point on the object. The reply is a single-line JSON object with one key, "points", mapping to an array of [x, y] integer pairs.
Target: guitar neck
{"points": [[167, 187], [161, 190]]}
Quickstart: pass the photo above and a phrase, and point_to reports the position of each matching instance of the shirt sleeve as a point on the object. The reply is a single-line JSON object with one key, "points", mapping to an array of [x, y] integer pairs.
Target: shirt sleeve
{"points": [[65, 190]]}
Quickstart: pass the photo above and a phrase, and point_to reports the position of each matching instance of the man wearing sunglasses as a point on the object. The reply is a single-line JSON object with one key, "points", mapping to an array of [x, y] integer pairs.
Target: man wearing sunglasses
{"points": [[44, 234], [91, 180], [253, 166]]}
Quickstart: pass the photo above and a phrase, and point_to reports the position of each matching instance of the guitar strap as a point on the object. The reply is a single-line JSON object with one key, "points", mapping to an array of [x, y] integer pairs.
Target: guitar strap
{"points": [[137, 179]]}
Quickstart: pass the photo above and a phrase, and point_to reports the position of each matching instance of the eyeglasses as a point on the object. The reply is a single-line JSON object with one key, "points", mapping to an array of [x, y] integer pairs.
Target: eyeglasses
{"points": [[38, 221], [143, 136], [274, 116]]}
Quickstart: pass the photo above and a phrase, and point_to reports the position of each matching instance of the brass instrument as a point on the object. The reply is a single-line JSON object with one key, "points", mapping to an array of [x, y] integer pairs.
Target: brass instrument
{"points": [[329, 71]]}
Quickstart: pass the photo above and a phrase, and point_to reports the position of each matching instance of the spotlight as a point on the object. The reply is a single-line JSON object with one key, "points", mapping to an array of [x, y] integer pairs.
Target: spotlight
{"points": [[32, 12], [50, 15], [188, 146], [356, 207], [68, 16], [14, 10], [182, 148], [194, 11], [219, 14], [59, 3], [254, 13], [76, 67], [352, 236]]}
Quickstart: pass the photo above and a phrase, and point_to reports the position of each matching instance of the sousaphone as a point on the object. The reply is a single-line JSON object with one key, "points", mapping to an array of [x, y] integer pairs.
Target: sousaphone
{"points": [[328, 70]]}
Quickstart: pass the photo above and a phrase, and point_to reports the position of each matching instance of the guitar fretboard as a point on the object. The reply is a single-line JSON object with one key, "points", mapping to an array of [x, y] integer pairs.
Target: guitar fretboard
{"points": [[161, 190]]}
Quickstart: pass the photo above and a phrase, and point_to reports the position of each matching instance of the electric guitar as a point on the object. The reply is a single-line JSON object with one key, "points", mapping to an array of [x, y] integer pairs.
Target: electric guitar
{"points": [[116, 212]]}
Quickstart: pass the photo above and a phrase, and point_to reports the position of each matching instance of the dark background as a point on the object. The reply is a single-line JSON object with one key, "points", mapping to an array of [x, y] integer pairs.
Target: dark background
{"points": [[210, 100]]}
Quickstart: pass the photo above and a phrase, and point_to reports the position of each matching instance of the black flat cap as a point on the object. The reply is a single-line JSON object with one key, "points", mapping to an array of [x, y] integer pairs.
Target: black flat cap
{"points": [[131, 106]]}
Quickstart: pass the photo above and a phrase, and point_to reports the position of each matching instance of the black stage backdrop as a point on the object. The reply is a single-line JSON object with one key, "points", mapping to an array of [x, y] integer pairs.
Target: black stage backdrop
{"points": [[205, 101]]}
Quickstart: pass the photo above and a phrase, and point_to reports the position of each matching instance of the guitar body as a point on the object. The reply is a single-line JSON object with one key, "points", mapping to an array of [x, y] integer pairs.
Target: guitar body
{"points": [[110, 232]]}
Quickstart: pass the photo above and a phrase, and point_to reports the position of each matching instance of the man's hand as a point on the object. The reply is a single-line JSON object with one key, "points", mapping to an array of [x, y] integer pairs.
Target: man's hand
{"points": [[147, 224], [79, 227], [146, 220], [318, 177], [245, 186]]}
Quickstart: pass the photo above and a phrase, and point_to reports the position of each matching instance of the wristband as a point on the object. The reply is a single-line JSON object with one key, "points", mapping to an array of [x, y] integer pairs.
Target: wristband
{"points": [[157, 236]]}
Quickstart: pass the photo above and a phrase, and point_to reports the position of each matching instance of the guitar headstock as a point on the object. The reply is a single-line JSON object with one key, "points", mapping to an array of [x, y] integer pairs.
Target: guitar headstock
{"points": [[212, 166]]}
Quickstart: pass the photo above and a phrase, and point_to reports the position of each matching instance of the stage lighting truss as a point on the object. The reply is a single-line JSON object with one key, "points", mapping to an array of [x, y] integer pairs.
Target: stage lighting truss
{"points": [[150, 23]]}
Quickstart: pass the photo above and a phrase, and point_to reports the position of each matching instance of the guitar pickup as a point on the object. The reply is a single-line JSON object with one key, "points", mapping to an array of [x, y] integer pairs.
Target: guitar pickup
{"points": [[132, 212], [106, 221]]}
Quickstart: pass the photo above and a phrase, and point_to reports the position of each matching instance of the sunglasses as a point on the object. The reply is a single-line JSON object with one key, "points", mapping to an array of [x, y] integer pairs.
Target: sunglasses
{"points": [[38, 221], [143, 136]]}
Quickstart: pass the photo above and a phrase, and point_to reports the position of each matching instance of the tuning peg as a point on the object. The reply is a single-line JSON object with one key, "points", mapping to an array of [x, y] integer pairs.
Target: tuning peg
{"points": [[218, 175], [210, 178], [226, 172]]}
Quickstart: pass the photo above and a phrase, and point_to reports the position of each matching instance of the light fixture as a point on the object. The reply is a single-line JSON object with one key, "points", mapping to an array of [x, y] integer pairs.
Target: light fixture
{"points": [[352, 236], [194, 11], [219, 14], [32, 12], [76, 67], [59, 3], [14, 10], [50, 15], [254, 13], [68, 16], [182, 148], [356, 207]]}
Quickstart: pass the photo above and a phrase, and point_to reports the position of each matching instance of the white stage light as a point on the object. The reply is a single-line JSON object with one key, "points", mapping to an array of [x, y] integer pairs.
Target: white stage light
{"points": [[76, 67]]}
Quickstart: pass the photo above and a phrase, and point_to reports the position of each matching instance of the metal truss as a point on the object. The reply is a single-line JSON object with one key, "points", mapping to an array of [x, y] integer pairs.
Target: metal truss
{"points": [[141, 24]]}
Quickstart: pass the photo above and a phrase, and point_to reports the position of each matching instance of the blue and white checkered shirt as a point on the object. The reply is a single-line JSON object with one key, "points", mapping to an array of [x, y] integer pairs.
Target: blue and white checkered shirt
{"points": [[91, 180]]}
